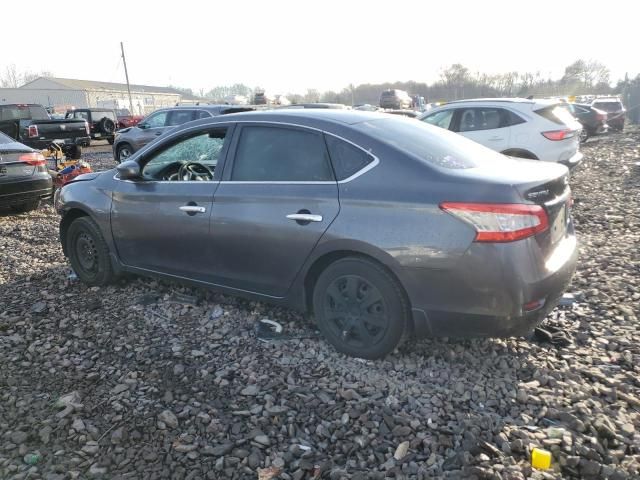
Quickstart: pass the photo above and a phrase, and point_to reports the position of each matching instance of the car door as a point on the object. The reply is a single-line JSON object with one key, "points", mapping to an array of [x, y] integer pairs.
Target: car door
{"points": [[162, 221], [276, 200], [151, 128], [488, 126]]}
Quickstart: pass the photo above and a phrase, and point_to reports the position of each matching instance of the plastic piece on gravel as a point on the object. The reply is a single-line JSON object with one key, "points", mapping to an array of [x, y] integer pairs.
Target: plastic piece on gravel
{"points": [[540, 459], [183, 299], [72, 275], [567, 300], [269, 330]]}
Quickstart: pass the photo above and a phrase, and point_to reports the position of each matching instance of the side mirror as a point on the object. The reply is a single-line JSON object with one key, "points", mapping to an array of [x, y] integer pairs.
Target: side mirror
{"points": [[142, 126], [129, 170]]}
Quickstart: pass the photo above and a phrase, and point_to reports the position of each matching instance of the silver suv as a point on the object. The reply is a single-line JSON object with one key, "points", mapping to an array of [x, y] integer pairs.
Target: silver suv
{"points": [[131, 139]]}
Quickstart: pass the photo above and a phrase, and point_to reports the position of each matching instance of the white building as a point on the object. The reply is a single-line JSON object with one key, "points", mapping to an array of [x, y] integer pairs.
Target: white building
{"points": [[62, 94]]}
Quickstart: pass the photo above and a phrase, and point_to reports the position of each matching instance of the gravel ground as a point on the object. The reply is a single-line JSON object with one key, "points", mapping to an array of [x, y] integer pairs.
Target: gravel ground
{"points": [[133, 381]]}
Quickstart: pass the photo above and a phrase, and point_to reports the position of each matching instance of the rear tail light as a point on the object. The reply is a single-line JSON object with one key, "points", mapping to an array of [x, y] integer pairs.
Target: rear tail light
{"points": [[86, 127], [33, 131], [500, 222], [559, 134], [35, 159]]}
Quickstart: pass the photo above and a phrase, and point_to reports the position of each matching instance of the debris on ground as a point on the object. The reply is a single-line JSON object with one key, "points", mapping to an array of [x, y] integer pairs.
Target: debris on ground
{"points": [[147, 390]]}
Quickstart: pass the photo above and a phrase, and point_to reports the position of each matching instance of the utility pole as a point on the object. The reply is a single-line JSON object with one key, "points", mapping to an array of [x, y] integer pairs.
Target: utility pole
{"points": [[126, 74]]}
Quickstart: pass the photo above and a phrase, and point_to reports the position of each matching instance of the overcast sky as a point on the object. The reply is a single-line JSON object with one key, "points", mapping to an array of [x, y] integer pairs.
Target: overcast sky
{"points": [[289, 46]]}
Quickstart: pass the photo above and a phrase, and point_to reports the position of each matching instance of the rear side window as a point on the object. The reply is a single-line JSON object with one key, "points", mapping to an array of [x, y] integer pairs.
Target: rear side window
{"points": [[178, 117], [97, 116], [556, 114], [270, 154], [202, 114], [347, 159]]}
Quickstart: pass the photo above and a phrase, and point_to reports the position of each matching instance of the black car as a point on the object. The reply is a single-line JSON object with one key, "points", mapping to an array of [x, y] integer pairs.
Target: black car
{"points": [[593, 120], [103, 122], [24, 178], [379, 225]]}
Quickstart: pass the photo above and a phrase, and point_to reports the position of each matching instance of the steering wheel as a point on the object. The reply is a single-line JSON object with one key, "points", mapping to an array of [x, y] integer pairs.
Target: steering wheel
{"points": [[190, 171]]}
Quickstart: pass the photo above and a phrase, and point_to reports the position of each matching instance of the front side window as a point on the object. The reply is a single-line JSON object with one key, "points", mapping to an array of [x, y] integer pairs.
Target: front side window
{"points": [[81, 115], [440, 119], [190, 159], [156, 120], [269, 154]]}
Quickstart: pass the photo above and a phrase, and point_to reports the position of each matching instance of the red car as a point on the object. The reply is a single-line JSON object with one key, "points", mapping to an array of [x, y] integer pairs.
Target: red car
{"points": [[125, 119]]}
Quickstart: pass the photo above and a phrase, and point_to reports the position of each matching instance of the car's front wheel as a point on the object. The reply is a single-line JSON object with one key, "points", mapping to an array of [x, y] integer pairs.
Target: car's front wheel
{"points": [[88, 252], [123, 153], [360, 308]]}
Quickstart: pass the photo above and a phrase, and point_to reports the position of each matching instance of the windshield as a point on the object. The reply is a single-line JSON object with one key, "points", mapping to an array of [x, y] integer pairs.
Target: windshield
{"points": [[608, 106], [432, 145]]}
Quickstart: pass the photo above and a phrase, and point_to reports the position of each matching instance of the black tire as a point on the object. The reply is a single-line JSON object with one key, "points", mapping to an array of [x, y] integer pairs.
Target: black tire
{"points": [[123, 153], [110, 140], [367, 331], [107, 126], [88, 252], [584, 135], [26, 206], [75, 152]]}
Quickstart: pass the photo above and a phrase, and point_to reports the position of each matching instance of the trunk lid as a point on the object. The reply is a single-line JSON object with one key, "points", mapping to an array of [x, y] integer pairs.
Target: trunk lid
{"points": [[11, 166]]}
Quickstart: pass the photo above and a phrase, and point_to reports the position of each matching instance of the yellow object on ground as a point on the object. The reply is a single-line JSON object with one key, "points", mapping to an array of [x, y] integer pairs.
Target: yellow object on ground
{"points": [[540, 459]]}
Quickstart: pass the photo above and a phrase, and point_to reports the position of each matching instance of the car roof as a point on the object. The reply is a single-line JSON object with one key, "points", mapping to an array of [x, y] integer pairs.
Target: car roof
{"points": [[301, 116], [208, 107]]}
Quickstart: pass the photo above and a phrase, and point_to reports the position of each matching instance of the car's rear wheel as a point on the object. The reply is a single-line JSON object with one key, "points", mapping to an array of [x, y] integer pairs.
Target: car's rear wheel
{"points": [[88, 252], [26, 206], [360, 308], [124, 152]]}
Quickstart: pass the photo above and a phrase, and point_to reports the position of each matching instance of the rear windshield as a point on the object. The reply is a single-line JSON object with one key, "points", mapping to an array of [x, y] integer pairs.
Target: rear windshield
{"points": [[558, 113], [5, 139], [608, 106], [430, 144], [23, 112]]}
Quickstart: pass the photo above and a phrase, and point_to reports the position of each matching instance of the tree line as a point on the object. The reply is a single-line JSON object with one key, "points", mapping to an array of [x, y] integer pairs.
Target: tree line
{"points": [[457, 82]]}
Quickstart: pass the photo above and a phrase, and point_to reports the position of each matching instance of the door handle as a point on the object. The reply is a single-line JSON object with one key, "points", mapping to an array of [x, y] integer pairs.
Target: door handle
{"points": [[495, 139], [192, 209], [304, 217], [157, 133]]}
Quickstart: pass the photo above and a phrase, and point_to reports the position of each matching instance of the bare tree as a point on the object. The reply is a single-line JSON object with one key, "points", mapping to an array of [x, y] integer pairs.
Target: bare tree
{"points": [[12, 78]]}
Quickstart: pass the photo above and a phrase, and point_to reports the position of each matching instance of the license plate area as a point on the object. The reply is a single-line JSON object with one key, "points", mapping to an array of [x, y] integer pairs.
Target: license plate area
{"points": [[559, 225]]}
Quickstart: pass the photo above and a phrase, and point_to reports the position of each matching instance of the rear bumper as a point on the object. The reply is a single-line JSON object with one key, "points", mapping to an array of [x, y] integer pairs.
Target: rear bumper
{"points": [[573, 161], [484, 296], [22, 191], [43, 144]]}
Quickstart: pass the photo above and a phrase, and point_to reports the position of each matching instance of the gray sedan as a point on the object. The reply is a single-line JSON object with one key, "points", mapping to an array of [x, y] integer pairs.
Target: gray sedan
{"points": [[380, 226], [129, 140]]}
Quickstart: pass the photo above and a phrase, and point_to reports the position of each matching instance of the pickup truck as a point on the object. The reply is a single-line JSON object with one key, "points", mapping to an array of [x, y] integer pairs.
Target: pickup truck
{"points": [[31, 125]]}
